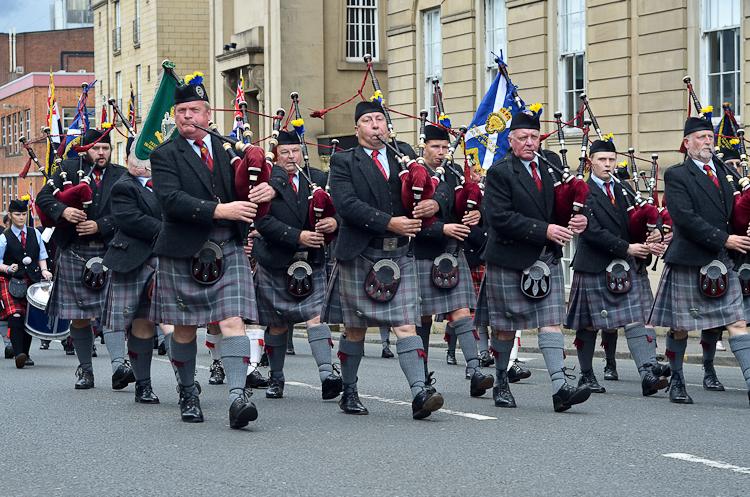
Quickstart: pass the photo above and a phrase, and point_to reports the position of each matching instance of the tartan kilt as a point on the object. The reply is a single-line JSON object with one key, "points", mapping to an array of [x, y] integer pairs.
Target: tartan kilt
{"points": [[477, 273], [70, 298], [331, 312], [509, 309], [591, 304], [482, 311], [646, 293], [127, 299], [440, 302], [278, 307], [746, 308], [10, 304], [360, 311], [180, 300], [678, 295]]}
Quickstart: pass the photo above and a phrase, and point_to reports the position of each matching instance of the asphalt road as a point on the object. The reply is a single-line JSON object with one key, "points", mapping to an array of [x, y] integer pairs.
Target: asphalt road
{"points": [[59, 441]]}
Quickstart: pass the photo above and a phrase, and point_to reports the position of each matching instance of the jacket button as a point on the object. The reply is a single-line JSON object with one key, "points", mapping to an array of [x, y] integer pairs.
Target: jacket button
{"points": [[508, 314], [193, 216], [604, 313]]}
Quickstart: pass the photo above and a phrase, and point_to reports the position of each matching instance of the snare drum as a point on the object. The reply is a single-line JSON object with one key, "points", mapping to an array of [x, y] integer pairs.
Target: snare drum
{"points": [[38, 323]]}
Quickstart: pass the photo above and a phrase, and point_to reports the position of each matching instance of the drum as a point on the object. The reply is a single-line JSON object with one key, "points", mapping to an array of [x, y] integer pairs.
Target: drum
{"points": [[38, 323]]}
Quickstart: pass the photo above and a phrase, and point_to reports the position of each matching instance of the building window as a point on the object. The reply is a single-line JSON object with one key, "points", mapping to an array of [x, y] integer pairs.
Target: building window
{"points": [[495, 37], [361, 29], [15, 133], [572, 69], [4, 131], [433, 58], [28, 123], [116, 38], [138, 93], [20, 131], [137, 24], [68, 114], [720, 29], [120, 158], [118, 86]]}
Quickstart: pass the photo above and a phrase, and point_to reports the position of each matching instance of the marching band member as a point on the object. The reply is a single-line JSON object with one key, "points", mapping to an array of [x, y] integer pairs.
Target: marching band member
{"points": [[606, 292], [366, 191], [23, 262], [698, 290], [81, 246], [519, 211]]}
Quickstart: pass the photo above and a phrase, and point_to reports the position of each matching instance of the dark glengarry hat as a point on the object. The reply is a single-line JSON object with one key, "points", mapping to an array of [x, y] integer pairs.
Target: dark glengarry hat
{"points": [[92, 135], [366, 107], [602, 146], [288, 138], [694, 124], [525, 120], [192, 91], [17, 206], [435, 133], [730, 153]]}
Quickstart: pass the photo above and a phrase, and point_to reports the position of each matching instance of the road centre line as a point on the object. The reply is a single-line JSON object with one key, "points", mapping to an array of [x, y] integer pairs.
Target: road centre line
{"points": [[708, 462]]}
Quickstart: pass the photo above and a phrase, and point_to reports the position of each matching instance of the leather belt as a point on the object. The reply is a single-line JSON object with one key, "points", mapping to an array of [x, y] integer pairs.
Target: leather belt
{"points": [[388, 243]]}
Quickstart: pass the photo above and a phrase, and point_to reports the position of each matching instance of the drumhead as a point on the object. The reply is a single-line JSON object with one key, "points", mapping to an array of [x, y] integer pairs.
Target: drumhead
{"points": [[38, 294]]}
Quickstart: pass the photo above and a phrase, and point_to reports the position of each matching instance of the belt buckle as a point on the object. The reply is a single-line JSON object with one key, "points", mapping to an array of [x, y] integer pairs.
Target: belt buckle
{"points": [[390, 244], [301, 255], [96, 245]]}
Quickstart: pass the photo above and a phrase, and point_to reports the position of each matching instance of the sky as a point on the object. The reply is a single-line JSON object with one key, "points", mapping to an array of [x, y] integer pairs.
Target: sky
{"points": [[24, 15]]}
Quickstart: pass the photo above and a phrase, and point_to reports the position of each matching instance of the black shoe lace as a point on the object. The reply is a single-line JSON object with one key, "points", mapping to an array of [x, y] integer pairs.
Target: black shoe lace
{"points": [[565, 370], [429, 380]]}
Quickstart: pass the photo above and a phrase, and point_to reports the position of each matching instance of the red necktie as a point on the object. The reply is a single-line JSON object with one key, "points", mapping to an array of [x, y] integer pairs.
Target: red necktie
{"points": [[375, 154], [97, 177], [711, 174], [291, 182], [23, 239], [205, 156], [609, 192], [149, 184], [536, 177]]}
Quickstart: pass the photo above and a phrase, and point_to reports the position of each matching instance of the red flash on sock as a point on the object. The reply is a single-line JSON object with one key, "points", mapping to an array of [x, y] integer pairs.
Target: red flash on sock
{"points": [[578, 343], [565, 356], [670, 354], [604, 345], [178, 363], [341, 356], [446, 338], [330, 341], [132, 354], [268, 350], [422, 353], [649, 339], [210, 345], [476, 335], [246, 359], [494, 352], [704, 345]]}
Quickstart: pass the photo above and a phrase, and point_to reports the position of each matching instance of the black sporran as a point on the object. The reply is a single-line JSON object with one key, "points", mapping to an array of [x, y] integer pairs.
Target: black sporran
{"points": [[744, 274], [445, 271], [299, 280], [94, 275], [535, 280], [17, 287], [207, 265], [618, 276], [382, 281], [713, 279]]}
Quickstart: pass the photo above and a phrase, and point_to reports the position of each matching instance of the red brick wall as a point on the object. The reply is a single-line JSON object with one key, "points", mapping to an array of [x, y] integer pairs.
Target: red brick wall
{"points": [[40, 51]]}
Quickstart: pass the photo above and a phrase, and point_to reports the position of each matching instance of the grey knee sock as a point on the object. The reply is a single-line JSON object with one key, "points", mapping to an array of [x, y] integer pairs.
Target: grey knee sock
{"points": [[350, 355], [585, 342], [484, 339], [319, 338], [83, 341], [183, 358], [501, 350], [140, 351], [640, 347], [676, 354], [235, 352], [168, 348], [740, 346], [609, 342], [159, 335], [411, 363], [385, 334], [465, 334], [708, 343], [450, 337], [276, 350], [652, 335], [552, 345], [423, 332], [115, 341]]}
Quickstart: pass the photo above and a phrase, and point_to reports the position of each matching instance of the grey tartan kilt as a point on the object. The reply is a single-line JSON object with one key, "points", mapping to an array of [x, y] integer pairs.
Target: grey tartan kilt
{"points": [[439, 301], [347, 285], [180, 300], [70, 298], [681, 306], [591, 304], [646, 293], [482, 311], [127, 298], [331, 312], [509, 309], [278, 307], [746, 308]]}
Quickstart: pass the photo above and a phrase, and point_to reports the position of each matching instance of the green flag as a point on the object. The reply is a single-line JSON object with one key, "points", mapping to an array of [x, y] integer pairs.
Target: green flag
{"points": [[159, 124]]}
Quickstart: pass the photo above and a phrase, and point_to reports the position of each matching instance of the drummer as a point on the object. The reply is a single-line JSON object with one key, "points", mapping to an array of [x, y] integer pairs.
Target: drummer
{"points": [[23, 262]]}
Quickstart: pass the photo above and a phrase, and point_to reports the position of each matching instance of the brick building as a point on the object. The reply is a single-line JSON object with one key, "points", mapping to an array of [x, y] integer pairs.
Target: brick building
{"points": [[23, 112], [70, 50]]}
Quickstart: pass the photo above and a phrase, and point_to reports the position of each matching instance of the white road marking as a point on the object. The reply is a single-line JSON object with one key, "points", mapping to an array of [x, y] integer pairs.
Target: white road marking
{"points": [[708, 462], [470, 415]]}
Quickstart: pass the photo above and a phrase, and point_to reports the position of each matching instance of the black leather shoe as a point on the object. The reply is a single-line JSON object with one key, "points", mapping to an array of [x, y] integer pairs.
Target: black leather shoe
{"points": [[290, 347], [661, 370], [190, 409], [350, 404], [162, 349], [21, 360], [28, 362], [332, 387], [44, 345], [429, 382], [486, 359], [588, 379], [156, 343], [241, 412], [710, 380], [425, 403], [651, 384], [275, 389], [9, 354], [145, 395], [610, 372], [677, 392], [517, 373], [386, 353], [216, 373], [450, 358], [93, 351], [123, 375], [256, 380], [480, 383], [501, 394], [85, 379], [569, 396], [263, 360]]}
